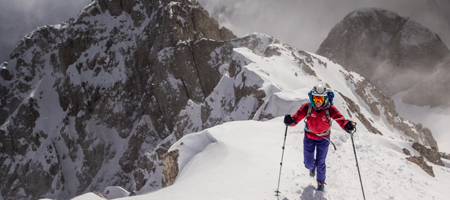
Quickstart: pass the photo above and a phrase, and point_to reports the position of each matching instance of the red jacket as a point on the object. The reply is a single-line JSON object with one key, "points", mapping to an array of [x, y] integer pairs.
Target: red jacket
{"points": [[317, 121]]}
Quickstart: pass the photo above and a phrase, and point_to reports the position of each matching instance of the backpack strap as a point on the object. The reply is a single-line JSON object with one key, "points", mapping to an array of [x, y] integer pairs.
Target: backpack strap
{"points": [[327, 112], [308, 113]]}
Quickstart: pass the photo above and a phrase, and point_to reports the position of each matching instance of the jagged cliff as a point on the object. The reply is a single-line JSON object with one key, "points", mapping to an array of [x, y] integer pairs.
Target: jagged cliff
{"points": [[95, 92]]}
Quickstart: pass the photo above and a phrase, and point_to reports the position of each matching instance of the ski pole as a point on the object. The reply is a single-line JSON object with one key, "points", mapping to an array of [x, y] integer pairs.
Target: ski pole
{"points": [[281, 163], [357, 165]]}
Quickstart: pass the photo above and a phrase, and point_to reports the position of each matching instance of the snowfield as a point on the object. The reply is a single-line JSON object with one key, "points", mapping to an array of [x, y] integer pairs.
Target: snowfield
{"points": [[241, 160]]}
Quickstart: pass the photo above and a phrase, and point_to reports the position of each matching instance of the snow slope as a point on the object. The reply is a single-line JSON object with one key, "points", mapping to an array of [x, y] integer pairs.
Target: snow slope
{"points": [[241, 161], [436, 119]]}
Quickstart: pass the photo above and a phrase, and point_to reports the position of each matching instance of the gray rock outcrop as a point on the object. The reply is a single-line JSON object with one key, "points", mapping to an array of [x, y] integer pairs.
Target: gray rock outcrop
{"points": [[419, 160], [431, 155]]}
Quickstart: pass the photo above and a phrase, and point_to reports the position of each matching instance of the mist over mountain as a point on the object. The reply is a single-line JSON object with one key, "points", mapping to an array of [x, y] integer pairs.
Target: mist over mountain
{"points": [[394, 53], [98, 101]]}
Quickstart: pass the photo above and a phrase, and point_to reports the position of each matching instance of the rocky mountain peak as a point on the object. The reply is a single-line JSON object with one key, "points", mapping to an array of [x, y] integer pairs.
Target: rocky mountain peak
{"points": [[98, 91], [394, 53]]}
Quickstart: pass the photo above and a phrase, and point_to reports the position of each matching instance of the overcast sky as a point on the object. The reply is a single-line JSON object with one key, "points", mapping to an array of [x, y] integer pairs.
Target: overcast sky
{"points": [[301, 23], [19, 17], [306, 23]]}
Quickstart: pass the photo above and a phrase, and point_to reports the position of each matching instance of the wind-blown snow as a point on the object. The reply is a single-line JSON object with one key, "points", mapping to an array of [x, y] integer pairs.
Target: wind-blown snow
{"points": [[241, 161]]}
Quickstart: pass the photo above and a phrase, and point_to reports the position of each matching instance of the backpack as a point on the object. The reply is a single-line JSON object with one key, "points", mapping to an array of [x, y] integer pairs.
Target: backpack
{"points": [[330, 96]]}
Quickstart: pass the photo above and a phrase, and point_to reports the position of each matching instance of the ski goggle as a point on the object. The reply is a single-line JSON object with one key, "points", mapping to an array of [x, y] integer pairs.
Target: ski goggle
{"points": [[318, 98]]}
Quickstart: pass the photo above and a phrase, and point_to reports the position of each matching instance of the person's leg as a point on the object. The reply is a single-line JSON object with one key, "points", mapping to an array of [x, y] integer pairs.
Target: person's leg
{"points": [[322, 150], [308, 153]]}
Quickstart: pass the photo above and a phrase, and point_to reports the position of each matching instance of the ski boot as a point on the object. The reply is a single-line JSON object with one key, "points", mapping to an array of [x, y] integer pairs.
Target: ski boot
{"points": [[312, 172], [320, 186]]}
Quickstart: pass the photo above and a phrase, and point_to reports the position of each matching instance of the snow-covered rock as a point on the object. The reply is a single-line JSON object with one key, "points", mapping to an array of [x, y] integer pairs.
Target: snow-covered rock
{"points": [[115, 192], [84, 103]]}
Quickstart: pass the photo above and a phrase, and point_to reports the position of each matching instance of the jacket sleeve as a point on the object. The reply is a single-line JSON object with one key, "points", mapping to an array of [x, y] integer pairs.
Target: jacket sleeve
{"points": [[338, 117], [300, 114]]}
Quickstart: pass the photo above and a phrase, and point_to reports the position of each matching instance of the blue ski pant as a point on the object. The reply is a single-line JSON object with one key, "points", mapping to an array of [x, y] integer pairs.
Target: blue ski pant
{"points": [[318, 163]]}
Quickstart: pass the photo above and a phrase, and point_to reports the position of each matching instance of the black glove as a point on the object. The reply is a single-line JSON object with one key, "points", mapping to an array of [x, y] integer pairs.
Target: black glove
{"points": [[288, 120], [349, 127]]}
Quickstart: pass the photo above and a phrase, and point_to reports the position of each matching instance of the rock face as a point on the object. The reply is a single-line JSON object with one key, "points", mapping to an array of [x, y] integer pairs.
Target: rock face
{"points": [[444, 155], [419, 160], [394, 53], [432, 155], [93, 97], [170, 171]]}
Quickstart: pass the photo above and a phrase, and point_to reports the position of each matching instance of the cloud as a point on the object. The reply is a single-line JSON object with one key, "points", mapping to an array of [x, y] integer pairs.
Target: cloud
{"points": [[305, 24], [19, 17], [300, 23]]}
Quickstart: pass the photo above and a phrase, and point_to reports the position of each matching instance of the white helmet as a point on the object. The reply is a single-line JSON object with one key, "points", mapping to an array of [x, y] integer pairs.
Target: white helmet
{"points": [[319, 90]]}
